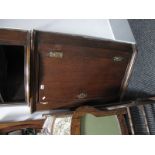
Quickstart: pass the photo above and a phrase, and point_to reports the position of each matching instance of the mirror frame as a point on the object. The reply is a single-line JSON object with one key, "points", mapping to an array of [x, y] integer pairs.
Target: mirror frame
{"points": [[81, 111], [7, 127]]}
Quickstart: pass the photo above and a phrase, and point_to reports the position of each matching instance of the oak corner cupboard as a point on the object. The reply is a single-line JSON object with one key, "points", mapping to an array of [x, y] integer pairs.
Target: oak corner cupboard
{"points": [[49, 70]]}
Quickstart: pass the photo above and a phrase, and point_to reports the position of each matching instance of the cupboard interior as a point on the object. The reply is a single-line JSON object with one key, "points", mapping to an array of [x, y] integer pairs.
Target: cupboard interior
{"points": [[12, 59]]}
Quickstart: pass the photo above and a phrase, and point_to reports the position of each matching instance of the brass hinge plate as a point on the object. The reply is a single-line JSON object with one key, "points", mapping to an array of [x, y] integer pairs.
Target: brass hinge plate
{"points": [[55, 54]]}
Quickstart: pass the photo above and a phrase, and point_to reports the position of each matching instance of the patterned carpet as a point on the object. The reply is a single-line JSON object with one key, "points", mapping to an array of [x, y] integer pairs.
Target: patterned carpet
{"points": [[142, 82]]}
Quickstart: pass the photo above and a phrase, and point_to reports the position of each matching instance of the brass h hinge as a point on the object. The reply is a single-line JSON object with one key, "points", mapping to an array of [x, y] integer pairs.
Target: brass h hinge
{"points": [[118, 59], [55, 54]]}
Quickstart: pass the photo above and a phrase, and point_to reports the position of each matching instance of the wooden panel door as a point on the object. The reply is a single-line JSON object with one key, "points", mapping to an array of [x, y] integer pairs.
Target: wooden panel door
{"points": [[73, 70]]}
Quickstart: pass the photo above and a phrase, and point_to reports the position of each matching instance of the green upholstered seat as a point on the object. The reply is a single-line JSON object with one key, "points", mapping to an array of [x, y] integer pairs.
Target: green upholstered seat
{"points": [[106, 125]]}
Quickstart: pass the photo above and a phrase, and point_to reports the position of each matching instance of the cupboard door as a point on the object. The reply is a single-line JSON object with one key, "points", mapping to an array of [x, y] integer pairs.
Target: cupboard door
{"points": [[14, 66], [73, 70]]}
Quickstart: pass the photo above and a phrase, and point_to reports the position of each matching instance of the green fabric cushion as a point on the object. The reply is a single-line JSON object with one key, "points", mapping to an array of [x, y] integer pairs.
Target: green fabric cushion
{"points": [[107, 125]]}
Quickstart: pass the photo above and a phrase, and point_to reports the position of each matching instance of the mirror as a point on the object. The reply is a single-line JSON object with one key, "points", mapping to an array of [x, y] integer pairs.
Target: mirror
{"points": [[105, 125], [25, 131]]}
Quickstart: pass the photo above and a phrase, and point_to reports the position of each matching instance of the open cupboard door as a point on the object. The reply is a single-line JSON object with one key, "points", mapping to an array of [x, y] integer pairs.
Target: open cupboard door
{"points": [[14, 67], [73, 71]]}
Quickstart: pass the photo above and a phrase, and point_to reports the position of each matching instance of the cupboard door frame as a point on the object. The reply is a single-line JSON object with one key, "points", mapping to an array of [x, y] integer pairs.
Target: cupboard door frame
{"points": [[20, 38]]}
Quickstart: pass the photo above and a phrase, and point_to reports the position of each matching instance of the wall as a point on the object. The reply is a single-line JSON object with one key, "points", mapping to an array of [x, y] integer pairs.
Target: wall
{"points": [[90, 27], [121, 30], [115, 29]]}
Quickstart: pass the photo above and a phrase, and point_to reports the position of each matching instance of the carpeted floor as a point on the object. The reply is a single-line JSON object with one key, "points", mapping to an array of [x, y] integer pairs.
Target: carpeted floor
{"points": [[142, 82]]}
